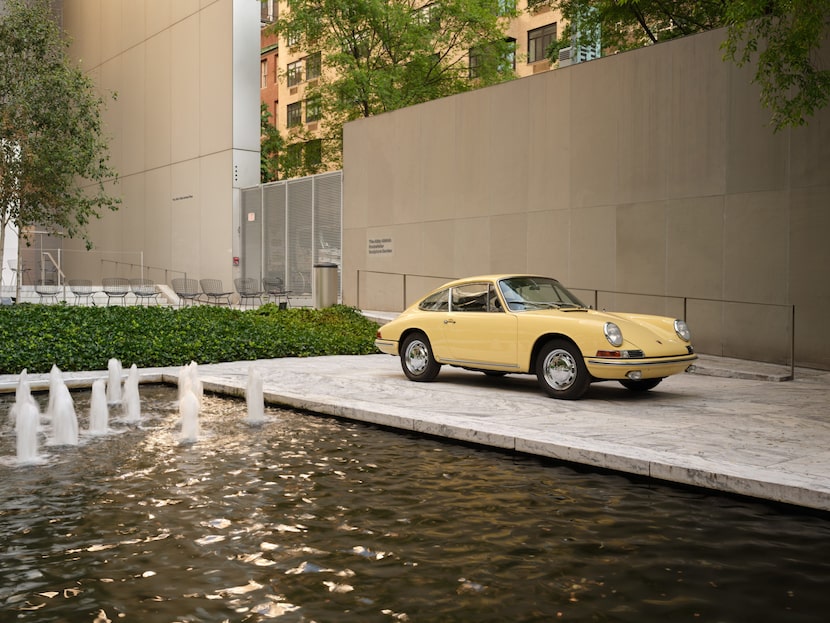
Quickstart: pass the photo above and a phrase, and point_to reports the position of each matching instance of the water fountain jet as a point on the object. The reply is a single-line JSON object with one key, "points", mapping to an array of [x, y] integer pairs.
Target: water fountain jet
{"points": [[254, 397], [26, 417], [27, 425], [114, 384], [189, 414], [98, 409], [131, 400], [64, 419]]}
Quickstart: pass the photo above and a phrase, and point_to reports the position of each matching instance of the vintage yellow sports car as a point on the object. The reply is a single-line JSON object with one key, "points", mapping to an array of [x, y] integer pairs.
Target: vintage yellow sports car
{"points": [[502, 324]]}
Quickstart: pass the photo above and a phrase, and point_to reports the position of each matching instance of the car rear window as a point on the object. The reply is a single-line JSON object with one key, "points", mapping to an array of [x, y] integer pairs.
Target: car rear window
{"points": [[439, 301]]}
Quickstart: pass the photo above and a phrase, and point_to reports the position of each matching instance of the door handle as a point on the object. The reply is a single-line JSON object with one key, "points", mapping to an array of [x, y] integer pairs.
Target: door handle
{"points": [[449, 321]]}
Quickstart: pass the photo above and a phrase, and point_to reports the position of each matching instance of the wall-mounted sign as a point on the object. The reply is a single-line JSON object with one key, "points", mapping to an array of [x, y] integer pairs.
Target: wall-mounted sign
{"points": [[251, 217], [380, 246]]}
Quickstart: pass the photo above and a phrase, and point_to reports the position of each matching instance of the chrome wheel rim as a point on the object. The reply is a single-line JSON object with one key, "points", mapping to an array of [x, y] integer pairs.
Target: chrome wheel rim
{"points": [[416, 357], [560, 369]]}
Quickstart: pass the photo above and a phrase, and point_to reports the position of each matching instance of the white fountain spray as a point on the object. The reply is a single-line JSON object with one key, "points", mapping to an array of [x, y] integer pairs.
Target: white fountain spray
{"points": [[255, 397], [190, 401], [22, 394], [114, 384], [26, 416], [55, 381], [189, 414], [28, 423], [98, 409], [64, 419], [131, 400]]}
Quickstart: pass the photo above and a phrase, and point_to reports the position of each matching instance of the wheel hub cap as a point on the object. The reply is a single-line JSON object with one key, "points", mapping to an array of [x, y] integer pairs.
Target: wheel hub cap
{"points": [[416, 357], [560, 369]]}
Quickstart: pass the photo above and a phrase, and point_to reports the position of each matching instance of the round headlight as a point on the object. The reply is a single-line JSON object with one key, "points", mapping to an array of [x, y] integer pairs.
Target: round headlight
{"points": [[682, 330], [613, 334]]}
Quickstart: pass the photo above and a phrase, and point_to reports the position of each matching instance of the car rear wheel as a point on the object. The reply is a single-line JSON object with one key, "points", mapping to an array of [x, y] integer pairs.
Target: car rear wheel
{"points": [[561, 371], [643, 385], [416, 358]]}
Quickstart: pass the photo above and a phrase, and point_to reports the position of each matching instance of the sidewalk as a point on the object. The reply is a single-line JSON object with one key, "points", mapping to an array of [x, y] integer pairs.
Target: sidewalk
{"points": [[730, 426]]}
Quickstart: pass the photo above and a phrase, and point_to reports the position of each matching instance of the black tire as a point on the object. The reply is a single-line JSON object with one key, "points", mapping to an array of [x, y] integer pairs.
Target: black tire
{"points": [[561, 371], [643, 385], [417, 361]]}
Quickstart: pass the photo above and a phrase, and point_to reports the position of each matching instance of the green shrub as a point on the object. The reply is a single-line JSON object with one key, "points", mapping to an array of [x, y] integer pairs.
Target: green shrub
{"points": [[36, 337]]}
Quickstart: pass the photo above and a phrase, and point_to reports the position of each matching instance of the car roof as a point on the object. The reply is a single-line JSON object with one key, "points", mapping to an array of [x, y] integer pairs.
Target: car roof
{"points": [[493, 277]]}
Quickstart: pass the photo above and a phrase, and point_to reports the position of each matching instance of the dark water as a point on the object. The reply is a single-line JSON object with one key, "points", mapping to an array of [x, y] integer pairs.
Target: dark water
{"points": [[311, 519]]}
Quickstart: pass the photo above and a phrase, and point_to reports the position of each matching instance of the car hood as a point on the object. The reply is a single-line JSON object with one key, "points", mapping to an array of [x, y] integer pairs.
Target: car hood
{"points": [[654, 335]]}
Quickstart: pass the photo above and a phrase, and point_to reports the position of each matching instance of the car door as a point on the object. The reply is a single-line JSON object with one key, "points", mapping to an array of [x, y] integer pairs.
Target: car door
{"points": [[477, 330]]}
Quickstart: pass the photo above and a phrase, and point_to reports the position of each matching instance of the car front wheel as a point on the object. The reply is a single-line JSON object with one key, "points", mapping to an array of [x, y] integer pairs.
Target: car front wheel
{"points": [[416, 358], [561, 371]]}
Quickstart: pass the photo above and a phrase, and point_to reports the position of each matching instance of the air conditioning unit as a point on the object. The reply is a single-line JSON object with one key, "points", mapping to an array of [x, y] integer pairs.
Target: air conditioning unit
{"points": [[565, 57]]}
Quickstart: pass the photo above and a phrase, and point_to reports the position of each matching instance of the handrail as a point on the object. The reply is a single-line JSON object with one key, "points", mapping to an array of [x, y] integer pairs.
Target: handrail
{"points": [[404, 275], [686, 300], [143, 267]]}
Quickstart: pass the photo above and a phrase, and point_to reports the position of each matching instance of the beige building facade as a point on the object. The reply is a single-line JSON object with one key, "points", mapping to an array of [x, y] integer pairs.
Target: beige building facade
{"points": [[646, 181], [184, 132]]}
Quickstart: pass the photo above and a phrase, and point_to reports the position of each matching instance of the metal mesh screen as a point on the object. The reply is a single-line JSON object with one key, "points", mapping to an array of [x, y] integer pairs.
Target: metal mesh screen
{"points": [[300, 219], [251, 232], [295, 224], [274, 255]]}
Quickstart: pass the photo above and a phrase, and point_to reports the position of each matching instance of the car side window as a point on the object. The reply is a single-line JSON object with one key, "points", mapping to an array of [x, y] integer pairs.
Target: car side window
{"points": [[470, 297], [439, 301]]}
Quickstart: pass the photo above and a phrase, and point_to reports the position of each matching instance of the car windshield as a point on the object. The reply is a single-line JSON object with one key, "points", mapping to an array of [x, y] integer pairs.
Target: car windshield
{"points": [[522, 293]]}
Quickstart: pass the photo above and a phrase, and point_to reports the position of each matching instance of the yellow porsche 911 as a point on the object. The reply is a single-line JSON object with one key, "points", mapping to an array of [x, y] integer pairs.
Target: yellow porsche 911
{"points": [[501, 324]]}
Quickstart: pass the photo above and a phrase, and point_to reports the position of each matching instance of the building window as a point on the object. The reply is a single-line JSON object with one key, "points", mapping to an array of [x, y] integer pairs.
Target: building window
{"points": [[295, 73], [263, 73], [506, 6], [312, 109], [294, 114], [268, 12], [313, 66], [538, 42]]}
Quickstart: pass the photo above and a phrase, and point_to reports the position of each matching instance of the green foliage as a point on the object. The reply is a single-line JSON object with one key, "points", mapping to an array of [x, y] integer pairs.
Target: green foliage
{"points": [[271, 147], [382, 55], [84, 338], [54, 170], [781, 37]]}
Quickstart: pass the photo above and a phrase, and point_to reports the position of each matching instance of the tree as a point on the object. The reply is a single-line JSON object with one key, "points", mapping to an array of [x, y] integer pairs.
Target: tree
{"points": [[783, 38], [380, 55], [271, 147], [53, 153]]}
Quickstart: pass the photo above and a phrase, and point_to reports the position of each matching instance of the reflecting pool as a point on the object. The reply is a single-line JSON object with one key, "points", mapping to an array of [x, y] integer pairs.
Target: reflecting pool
{"points": [[305, 518]]}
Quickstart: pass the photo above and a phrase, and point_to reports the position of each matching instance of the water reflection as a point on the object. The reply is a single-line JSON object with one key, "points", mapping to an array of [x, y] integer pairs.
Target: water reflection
{"points": [[309, 519]]}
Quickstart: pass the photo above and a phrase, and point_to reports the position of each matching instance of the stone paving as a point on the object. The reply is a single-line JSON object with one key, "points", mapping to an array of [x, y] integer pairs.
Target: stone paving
{"points": [[732, 426]]}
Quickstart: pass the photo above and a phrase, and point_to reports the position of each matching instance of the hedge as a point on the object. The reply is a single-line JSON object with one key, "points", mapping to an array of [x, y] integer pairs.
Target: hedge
{"points": [[77, 338]]}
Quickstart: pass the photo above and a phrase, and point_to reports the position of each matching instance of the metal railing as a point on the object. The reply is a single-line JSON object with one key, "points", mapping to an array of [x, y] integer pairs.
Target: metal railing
{"points": [[686, 299], [144, 270]]}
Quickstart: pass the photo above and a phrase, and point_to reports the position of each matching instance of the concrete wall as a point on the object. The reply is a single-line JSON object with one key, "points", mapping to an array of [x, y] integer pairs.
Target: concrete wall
{"points": [[652, 173], [184, 128]]}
